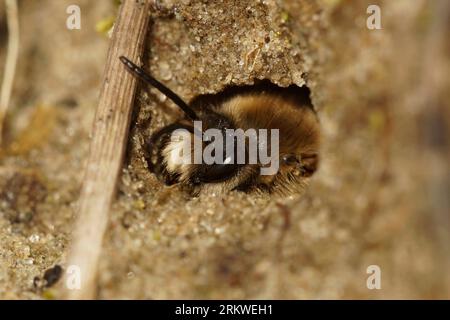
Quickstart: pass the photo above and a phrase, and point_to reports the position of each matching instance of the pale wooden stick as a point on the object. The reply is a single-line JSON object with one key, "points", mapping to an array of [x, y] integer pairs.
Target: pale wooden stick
{"points": [[110, 134], [12, 16]]}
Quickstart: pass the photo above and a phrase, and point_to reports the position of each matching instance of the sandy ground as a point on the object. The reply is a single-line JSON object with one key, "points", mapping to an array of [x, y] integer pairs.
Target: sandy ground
{"points": [[379, 198]]}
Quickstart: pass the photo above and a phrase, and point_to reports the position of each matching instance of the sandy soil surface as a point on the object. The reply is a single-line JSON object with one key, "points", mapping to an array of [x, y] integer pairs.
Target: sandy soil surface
{"points": [[379, 198]]}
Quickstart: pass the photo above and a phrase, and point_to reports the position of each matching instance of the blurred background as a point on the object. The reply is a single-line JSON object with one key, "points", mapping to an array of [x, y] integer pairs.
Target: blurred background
{"points": [[379, 198]]}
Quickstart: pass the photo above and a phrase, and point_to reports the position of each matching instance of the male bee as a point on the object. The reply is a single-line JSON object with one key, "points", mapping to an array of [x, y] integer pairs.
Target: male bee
{"points": [[214, 123]]}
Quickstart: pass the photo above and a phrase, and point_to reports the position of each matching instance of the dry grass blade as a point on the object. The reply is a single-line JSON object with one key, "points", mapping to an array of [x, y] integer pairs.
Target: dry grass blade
{"points": [[12, 14], [110, 133]]}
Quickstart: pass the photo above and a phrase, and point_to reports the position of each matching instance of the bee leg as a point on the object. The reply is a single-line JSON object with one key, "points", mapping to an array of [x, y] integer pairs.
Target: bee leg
{"points": [[248, 179]]}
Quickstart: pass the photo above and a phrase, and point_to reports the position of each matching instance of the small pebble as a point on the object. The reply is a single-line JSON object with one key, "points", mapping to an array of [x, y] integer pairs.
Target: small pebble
{"points": [[52, 275]]}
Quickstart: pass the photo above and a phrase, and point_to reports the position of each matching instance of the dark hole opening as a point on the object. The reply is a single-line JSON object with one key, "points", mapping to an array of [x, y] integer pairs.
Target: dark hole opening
{"points": [[299, 95]]}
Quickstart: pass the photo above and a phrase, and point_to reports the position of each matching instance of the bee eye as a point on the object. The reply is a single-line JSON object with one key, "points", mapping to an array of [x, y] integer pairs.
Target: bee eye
{"points": [[215, 173]]}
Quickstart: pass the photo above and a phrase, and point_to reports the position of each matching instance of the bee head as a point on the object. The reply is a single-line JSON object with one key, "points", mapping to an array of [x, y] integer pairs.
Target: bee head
{"points": [[170, 151]]}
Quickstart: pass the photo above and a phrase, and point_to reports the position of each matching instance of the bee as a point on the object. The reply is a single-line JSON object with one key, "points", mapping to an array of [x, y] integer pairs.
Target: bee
{"points": [[264, 106]]}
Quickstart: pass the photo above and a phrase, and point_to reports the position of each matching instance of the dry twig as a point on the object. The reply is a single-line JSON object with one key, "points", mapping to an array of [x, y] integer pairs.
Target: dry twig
{"points": [[12, 15], [110, 133]]}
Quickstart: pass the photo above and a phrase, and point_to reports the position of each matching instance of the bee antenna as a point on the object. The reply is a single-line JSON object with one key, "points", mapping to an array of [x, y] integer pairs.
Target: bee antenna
{"points": [[144, 76]]}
